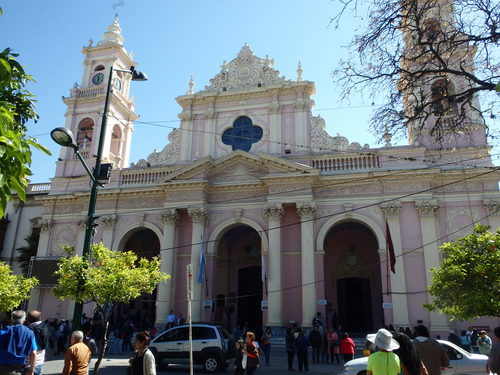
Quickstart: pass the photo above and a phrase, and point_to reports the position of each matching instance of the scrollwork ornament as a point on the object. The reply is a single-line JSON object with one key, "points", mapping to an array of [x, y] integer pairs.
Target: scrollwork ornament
{"points": [[198, 215], [306, 210], [427, 208], [170, 216], [492, 207], [108, 221], [391, 210], [274, 211], [45, 225]]}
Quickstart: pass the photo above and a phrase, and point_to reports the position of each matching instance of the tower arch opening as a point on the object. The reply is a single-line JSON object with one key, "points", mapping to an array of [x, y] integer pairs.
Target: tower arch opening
{"points": [[353, 285]]}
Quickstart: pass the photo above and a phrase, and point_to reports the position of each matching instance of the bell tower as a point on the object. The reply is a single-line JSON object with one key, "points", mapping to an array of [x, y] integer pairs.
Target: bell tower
{"points": [[438, 102], [85, 106]]}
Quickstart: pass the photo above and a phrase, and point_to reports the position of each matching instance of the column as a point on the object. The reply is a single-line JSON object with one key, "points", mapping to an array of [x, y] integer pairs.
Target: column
{"points": [[42, 251], [274, 110], [81, 226], [306, 214], [274, 297], [493, 210], [398, 279], [210, 128], [427, 211], [107, 233], [301, 106], [165, 297], [186, 134], [198, 217], [43, 243]]}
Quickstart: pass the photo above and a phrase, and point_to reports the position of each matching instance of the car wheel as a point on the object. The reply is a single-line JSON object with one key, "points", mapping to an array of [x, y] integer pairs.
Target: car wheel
{"points": [[211, 363]]}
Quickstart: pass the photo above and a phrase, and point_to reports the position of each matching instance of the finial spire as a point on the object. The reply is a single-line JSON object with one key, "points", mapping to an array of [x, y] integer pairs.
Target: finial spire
{"points": [[299, 72], [190, 86], [113, 35]]}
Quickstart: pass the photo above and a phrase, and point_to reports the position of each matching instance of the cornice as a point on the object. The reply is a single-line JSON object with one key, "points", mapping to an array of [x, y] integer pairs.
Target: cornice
{"points": [[292, 87]]}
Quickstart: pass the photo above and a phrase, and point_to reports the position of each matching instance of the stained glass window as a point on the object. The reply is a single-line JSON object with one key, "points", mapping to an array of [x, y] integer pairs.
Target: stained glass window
{"points": [[242, 135]]}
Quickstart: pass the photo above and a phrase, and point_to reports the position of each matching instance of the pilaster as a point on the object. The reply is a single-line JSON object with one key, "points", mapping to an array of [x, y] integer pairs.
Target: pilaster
{"points": [[43, 243], [165, 296], [306, 213], [275, 306], [427, 211], [398, 279], [199, 217], [274, 110], [493, 210], [187, 135], [107, 233], [81, 226]]}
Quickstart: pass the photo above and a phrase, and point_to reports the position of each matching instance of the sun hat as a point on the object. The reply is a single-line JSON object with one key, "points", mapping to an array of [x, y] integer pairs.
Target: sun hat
{"points": [[385, 341], [371, 337]]}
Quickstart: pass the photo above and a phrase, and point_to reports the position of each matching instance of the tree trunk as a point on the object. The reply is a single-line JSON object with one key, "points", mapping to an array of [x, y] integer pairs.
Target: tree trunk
{"points": [[105, 344]]}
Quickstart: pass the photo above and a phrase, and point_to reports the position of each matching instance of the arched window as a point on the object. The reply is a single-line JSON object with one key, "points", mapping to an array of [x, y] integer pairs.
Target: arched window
{"points": [[432, 29], [85, 133], [242, 135], [116, 138], [99, 67], [442, 97]]}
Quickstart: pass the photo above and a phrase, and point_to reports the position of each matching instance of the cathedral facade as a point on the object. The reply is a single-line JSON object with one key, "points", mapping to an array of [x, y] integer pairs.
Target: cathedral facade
{"points": [[277, 218]]}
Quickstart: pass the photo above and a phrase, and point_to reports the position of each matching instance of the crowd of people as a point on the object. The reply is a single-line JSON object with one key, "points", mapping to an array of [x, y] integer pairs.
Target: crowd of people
{"points": [[24, 343]]}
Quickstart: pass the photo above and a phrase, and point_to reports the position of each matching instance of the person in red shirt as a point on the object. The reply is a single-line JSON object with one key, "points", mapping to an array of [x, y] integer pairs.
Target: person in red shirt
{"points": [[347, 347]]}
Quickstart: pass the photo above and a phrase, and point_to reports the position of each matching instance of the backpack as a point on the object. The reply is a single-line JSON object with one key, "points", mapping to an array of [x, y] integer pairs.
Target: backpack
{"points": [[90, 342], [42, 335]]}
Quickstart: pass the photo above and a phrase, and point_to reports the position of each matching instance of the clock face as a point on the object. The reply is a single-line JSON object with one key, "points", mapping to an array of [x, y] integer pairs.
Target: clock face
{"points": [[98, 79]]}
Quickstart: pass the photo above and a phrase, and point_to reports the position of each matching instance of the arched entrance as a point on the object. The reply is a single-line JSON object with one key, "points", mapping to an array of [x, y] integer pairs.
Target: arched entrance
{"points": [[142, 310], [352, 277], [239, 283]]}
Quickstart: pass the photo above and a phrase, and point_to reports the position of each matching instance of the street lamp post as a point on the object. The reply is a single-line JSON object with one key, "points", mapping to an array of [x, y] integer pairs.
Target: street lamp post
{"points": [[64, 137]]}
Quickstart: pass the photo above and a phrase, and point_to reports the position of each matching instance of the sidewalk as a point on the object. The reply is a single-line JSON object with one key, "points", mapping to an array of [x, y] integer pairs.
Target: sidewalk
{"points": [[116, 364]]}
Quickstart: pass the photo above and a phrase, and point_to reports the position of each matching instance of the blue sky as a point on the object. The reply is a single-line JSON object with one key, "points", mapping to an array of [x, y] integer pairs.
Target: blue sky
{"points": [[173, 40]]}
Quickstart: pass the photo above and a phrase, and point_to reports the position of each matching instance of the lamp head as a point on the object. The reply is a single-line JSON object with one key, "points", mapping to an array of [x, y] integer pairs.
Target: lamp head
{"points": [[137, 75], [64, 137]]}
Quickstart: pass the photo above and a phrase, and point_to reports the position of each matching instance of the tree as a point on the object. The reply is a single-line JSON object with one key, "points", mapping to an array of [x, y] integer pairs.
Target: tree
{"points": [[405, 46], [13, 288], [28, 251], [17, 107], [110, 278], [467, 283]]}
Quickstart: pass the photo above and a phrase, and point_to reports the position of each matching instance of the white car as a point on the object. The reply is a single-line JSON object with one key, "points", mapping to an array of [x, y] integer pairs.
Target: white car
{"points": [[461, 362]]}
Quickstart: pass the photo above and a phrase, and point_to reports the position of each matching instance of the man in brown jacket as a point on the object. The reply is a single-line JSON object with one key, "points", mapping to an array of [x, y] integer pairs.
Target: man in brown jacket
{"points": [[430, 352], [77, 357]]}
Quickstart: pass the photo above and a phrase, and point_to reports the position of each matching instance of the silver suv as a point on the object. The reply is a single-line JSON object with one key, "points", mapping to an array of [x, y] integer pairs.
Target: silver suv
{"points": [[210, 346]]}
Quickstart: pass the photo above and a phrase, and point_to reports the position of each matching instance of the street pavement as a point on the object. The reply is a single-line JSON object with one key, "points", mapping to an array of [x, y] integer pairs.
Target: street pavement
{"points": [[116, 365]]}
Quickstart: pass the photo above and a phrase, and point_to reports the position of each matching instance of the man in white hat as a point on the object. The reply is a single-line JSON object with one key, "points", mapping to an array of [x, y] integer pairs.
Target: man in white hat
{"points": [[384, 362]]}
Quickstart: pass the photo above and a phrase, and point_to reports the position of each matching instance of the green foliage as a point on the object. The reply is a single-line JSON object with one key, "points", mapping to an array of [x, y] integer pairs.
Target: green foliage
{"points": [[28, 251], [112, 277], [13, 288], [467, 283], [16, 109]]}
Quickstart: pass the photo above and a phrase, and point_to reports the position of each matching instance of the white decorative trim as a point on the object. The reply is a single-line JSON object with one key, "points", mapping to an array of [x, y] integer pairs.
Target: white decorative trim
{"points": [[170, 216], [244, 72]]}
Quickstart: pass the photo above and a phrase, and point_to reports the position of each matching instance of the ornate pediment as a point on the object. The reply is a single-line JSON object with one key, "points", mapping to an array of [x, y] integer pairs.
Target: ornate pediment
{"points": [[239, 167], [244, 72]]}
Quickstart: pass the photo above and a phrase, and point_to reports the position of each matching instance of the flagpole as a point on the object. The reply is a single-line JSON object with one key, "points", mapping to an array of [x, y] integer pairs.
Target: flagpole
{"points": [[189, 289]]}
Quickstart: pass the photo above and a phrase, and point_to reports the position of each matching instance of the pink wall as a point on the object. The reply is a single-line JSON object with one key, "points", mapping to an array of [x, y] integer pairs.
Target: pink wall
{"points": [[291, 265]]}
